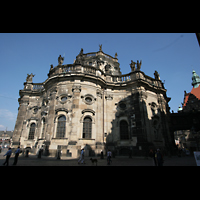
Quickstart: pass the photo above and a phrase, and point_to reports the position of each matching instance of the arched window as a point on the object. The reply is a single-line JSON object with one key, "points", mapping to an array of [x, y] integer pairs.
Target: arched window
{"points": [[124, 130], [61, 127], [32, 131], [87, 127]]}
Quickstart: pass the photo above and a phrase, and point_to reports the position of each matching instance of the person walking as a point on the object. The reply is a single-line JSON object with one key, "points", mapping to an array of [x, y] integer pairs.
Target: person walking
{"points": [[81, 160], [152, 155], [109, 154], [159, 158], [16, 155], [8, 154], [40, 153]]}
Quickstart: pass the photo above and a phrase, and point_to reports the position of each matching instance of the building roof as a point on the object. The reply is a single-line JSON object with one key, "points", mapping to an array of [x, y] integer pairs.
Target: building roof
{"points": [[195, 90], [6, 134], [186, 99]]}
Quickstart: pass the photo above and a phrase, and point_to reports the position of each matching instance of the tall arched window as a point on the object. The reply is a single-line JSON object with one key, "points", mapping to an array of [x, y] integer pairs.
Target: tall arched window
{"points": [[32, 131], [61, 127], [124, 130], [87, 128]]}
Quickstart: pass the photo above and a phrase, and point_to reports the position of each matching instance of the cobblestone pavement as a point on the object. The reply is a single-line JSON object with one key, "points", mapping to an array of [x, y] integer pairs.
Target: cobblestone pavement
{"points": [[32, 160]]}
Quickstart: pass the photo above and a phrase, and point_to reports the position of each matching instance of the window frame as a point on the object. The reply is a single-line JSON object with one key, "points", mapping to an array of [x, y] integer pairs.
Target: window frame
{"points": [[32, 131], [87, 128], [61, 127], [124, 128]]}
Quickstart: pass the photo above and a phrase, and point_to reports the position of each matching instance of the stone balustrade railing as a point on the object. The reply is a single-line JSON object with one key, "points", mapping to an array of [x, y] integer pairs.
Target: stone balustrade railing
{"points": [[38, 86], [90, 70]]}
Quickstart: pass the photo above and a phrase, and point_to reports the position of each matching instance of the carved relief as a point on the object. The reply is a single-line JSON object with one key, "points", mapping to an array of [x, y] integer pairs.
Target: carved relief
{"points": [[76, 88], [109, 97], [99, 93]]}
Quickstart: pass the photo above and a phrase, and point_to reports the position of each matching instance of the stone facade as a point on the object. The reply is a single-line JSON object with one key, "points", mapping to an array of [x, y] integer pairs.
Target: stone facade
{"points": [[91, 104]]}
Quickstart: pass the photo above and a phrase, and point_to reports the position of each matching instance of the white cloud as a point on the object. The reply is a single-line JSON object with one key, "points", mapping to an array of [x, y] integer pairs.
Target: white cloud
{"points": [[2, 127], [4, 113]]}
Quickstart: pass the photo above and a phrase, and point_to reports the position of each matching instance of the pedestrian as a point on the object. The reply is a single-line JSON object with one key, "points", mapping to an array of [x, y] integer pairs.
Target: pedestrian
{"points": [[101, 154], [27, 152], [81, 159], [40, 153], [109, 154], [159, 158], [155, 157], [152, 155], [8, 154], [58, 154], [16, 155]]}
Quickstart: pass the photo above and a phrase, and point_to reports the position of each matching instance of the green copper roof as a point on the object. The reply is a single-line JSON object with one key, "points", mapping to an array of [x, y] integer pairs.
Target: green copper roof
{"points": [[195, 79]]}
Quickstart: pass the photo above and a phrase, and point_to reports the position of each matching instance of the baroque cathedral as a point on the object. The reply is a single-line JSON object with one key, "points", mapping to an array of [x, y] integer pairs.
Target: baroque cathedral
{"points": [[90, 104]]}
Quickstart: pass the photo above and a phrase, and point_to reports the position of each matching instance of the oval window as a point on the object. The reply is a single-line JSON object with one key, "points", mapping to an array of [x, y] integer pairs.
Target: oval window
{"points": [[122, 105], [35, 110], [88, 99], [63, 98]]}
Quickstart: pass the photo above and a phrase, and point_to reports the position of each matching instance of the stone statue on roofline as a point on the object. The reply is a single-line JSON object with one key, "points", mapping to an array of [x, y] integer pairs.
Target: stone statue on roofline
{"points": [[60, 60], [100, 47], [81, 52], [139, 65], [132, 65], [51, 67], [156, 75], [29, 78]]}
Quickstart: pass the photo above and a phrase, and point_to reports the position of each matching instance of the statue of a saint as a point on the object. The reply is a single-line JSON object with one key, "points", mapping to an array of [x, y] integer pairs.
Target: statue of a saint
{"points": [[81, 52], [51, 67], [60, 60], [29, 78], [139, 64], [116, 55], [100, 47], [156, 75], [132, 65]]}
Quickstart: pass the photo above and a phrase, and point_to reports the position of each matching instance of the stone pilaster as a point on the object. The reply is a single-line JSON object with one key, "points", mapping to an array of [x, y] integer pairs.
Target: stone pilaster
{"points": [[19, 122]]}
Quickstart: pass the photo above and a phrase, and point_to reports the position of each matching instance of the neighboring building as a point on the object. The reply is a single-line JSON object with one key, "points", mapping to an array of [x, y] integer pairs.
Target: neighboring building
{"points": [[187, 120], [91, 104], [192, 99], [5, 138]]}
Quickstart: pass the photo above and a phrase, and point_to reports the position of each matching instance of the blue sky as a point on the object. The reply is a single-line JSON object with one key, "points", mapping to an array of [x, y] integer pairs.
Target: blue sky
{"points": [[173, 55]]}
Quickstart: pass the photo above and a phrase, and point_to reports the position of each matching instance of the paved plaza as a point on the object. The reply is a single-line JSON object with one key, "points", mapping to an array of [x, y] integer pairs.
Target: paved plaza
{"points": [[32, 160]]}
